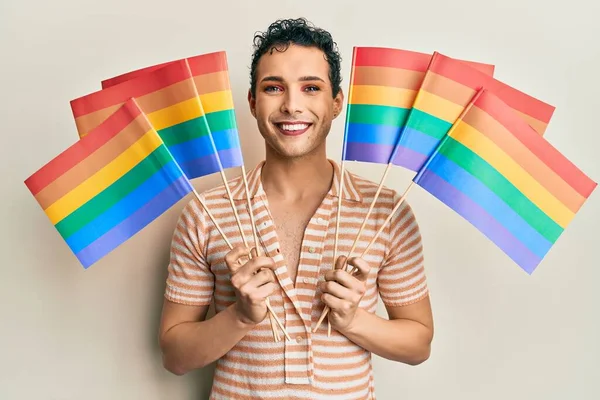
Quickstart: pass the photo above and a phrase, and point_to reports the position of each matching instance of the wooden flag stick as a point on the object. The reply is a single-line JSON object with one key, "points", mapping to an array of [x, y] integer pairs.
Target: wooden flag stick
{"points": [[387, 170], [242, 233], [337, 221], [235, 213], [212, 218], [273, 317], [343, 166], [354, 270], [366, 219], [399, 203], [339, 210]]}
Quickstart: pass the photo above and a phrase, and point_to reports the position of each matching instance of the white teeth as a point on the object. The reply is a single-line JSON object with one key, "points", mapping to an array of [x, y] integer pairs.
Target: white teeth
{"points": [[294, 127]]}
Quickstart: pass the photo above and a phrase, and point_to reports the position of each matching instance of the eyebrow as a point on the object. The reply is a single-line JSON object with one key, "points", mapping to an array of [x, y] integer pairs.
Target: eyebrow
{"points": [[274, 78]]}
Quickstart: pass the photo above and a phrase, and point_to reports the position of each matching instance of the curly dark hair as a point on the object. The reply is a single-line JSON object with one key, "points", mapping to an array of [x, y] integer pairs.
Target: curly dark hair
{"points": [[284, 32]]}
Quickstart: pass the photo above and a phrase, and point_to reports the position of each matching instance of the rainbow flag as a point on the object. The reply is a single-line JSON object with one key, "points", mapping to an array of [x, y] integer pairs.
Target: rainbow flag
{"points": [[383, 86], [447, 88], [499, 174], [109, 185], [169, 98], [211, 76]]}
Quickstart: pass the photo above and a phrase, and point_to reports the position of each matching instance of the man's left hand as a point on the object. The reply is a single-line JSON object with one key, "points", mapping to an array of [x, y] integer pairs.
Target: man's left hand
{"points": [[343, 292]]}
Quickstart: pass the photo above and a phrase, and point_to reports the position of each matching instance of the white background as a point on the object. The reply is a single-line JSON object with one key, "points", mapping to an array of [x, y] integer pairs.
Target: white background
{"points": [[70, 334]]}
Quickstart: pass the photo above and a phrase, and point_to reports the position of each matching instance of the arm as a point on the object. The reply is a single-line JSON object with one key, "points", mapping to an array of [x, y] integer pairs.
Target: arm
{"points": [[187, 340], [406, 337]]}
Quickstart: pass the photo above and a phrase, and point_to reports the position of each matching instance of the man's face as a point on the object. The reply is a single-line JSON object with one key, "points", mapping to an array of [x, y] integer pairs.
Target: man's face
{"points": [[294, 105]]}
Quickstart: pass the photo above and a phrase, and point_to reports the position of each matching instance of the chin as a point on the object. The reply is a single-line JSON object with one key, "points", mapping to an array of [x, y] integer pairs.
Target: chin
{"points": [[294, 152]]}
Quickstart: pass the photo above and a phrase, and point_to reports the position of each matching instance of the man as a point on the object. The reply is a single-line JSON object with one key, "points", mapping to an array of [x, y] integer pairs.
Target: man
{"points": [[294, 96]]}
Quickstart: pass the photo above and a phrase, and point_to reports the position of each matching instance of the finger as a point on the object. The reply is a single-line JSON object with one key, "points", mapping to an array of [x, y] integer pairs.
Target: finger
{"points": [[246, 271], [258, 295], [335, 289], [340, 262], [233, 256], [254, 252], [335, 303], [346, 280], [362, 266], [262, 277]]}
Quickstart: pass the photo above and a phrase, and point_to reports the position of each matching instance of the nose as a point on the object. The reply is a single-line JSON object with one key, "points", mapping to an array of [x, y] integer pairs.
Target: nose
{"points": [[292, 102]]}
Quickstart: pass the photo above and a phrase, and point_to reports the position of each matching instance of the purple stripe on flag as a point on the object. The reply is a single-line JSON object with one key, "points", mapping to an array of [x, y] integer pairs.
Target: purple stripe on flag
{"points": [[477, 216], [231, 158], [201, 166], [408, 158], [210, 164], [134, 223], [368, 152]]}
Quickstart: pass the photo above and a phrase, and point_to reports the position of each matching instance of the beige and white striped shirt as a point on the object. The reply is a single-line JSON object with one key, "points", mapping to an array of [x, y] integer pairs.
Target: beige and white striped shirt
{"points": [[311, 366]]}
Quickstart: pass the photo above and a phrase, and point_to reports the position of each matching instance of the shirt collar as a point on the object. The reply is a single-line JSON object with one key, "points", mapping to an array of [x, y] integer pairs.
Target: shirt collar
{"points": [[238, 190]]}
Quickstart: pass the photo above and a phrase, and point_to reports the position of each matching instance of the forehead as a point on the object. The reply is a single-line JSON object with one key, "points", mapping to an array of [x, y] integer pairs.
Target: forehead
{"points": [[295, 62]]}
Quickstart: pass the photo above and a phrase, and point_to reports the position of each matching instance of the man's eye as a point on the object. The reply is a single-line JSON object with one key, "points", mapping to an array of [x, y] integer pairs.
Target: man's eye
{"points": [[271, 89], [312, 88]]}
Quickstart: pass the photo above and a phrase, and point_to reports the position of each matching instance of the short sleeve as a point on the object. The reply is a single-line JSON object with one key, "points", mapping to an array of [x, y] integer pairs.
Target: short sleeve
{"points": [[190, 280], [401, 279]]}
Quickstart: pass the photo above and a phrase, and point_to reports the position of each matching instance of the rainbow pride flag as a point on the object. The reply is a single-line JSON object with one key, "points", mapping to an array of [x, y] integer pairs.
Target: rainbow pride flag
{"points": [[169, 98], [211, 76], [109, 185], [499, 174], [448, 86], [383, 86]]}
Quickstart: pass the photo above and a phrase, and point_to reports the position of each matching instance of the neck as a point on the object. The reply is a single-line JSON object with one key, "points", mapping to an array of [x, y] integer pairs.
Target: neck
{"points": [[295, 179]]}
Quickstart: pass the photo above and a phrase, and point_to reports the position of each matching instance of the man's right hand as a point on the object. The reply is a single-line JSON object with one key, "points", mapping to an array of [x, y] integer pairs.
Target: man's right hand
{"points": [[253, 282]]}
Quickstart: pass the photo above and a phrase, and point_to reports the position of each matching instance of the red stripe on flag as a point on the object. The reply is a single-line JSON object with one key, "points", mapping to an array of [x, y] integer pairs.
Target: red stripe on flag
{"points": [[462, 73], [131, 75], [159, 79], [394, 58], [208, 63], [199, 65], [405, 59], [539, 146], [83, 148]]}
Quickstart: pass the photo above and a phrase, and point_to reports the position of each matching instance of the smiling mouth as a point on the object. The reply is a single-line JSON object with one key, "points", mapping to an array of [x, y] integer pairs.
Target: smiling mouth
{"points": [[293, 129]]}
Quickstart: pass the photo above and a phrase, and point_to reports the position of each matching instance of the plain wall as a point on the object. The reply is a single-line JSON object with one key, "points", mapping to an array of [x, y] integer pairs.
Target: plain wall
{"points": [[72, 334]]}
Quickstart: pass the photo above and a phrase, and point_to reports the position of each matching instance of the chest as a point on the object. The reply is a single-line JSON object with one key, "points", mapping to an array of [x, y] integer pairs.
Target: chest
{"points": [[291, 221]]}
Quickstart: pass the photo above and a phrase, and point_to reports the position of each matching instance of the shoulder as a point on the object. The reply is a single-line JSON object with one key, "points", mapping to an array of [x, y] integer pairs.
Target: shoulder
{"points": [[367, 190], [214, 200], [388, 200], [218, 193]]}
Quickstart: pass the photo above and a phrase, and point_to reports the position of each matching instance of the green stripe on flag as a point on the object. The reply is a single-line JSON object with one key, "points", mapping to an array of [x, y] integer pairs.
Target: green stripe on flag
{"points": [[428, 124], [114, 193], [221, 120], [377, 115], [504, 189]]}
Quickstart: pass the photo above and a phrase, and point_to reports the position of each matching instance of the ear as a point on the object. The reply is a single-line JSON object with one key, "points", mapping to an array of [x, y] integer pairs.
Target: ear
{"points": [[338, 103], [252, 103]]}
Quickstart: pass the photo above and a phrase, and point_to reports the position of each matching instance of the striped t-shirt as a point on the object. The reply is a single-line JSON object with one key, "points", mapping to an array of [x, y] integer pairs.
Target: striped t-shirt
{"points": [[312, 366]]}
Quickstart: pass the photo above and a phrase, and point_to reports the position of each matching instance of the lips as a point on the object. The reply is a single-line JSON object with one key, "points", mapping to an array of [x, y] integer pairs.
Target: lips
{"points": [[293, 128]]}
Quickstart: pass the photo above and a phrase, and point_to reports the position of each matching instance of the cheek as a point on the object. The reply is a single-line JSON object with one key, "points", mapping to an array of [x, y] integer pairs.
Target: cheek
{"points": [[264, 102], [325, 109], [264, 110]]}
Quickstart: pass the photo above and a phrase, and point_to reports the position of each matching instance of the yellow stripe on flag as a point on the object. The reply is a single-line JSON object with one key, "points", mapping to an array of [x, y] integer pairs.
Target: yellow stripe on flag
{"points": [[217, 101], [104, 177], [382, 96], [513, 172], [437, 106], [176, 114]]}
